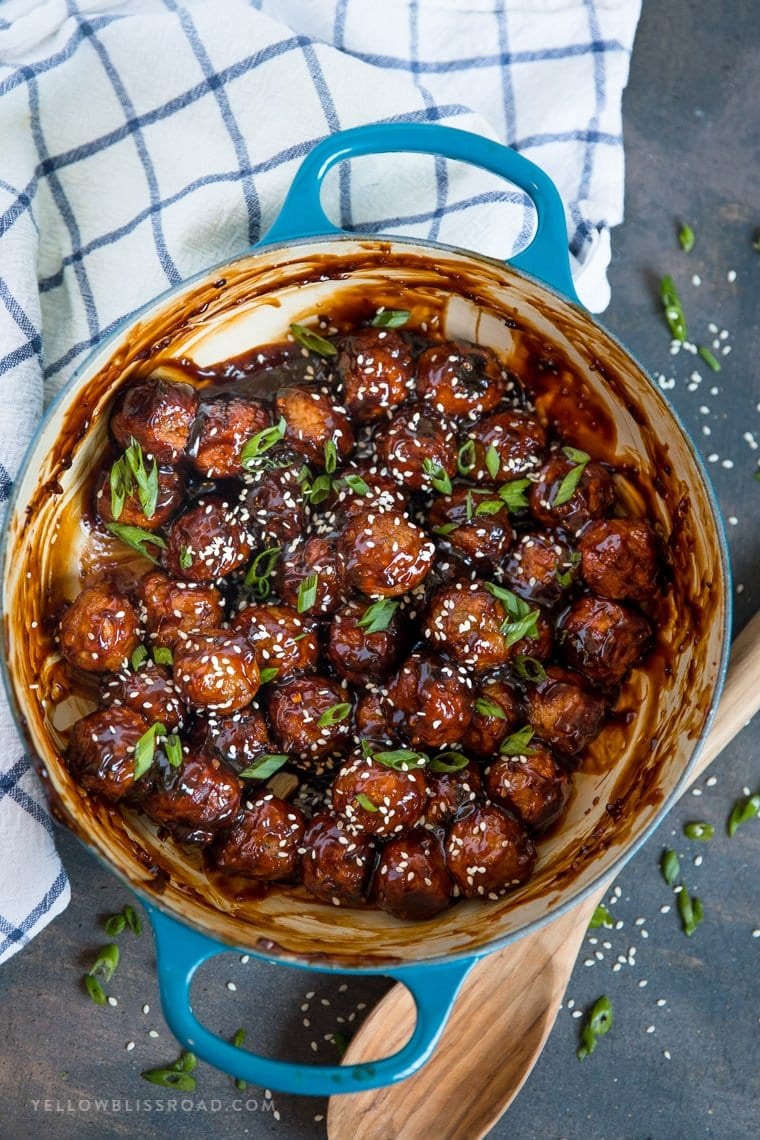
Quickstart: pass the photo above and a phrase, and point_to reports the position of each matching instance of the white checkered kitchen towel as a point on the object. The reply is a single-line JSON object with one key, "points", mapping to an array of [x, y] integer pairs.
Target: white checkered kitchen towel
{"points": [[142, 141]]}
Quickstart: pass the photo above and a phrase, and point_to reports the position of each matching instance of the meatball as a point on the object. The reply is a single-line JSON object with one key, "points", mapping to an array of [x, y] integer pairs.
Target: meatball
{"points": [[376, 372], [466, 622], [195, 800], [489, 852], [506, 445], [418, 448], [238, 739], [216, 669], [222, 426], [281, 639], [478, 527], [149, 691], [99, 630], [603, 639], [497, 712], [336, 863], [373, 718], [564, 711], [313, 422], [431, 700], [593, 496], [535, 787], [384, 553], [158, 414], [101, 751], [540, 567], [539, 642], [207, 541], [411, 880], [171, 610], [377, 799], [264, 841], [358, 654], [619, 559], [168, 500], [460, 379], [449, 792], [366, 485], [272, 506], [317, 560], [310, 717]]}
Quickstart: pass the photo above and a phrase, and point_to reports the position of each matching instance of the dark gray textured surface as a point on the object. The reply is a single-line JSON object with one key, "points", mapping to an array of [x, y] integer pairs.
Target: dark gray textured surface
{"points": [[691, 144]]}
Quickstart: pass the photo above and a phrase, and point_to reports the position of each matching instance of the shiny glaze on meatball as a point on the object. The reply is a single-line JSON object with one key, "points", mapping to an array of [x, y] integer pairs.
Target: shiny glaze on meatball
{"points": [[592, 497], [101, 751], [357, 654], [460, 379], [565, 711], [391, 800], [158, 414], [313, 421], [497, 713], [206, 542], [296, 709], [281, 638], [619, 559], [217, 670], [171, 487], [475, 524], [411, 880], [222, 426], [171, 609], [540, 568], [603, 639], [431, 700], [384, 553], [336, 861], [507, 445], [316, 557], [196, 799], [417, 447], [376, 372], [466, 622], [450, 792], [148, 690], [99, 630], [489, 852], [264, 841], [534, 786]]}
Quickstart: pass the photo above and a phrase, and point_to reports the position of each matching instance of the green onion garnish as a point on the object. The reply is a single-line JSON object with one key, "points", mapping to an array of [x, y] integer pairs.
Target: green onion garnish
{"points": [[334, 715], [356, 484], [313, 341], [264, 767], [466, 458], [601, 917], [365, 802], [390, 318], [136, 538], [448, 762], [268, 674], [513, 494], [529, 669], [114, 925], [699, 830], [493, 461], [709, 358], [567, 487], [484, 707], [331, 456], [670, 866], [185, 557], [518, 743], [162, 655], [402, 759], [94, 989], [145, 748], [690, 910], [377, 617], [106, 962], [673, 310], [137, 658], [173, 750], [438, 477], [686, 238], [599, 1023], [307, 592], [742, 812], [260, 571], [176, 1076], [261, 442]]}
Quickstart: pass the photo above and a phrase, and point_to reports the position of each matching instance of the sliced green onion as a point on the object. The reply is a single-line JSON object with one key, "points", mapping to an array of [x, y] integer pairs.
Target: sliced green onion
{"points": [[356, 484], [377, 617], [670, 866], [445, 530], [307, 592], [162, 655], [699, 830], [94, 989], [690, 910], [599, 1022], [513, 494], [568, 486], [522, 621], [484, 707], [390, 318], [743, 811], [264, 767], [262, 442], [133, 920], [529, 669], [145, 749], [466, 457], [331, 456], [709, 358], [334, 715], [401, 759], [136, 538], [128, 475], [318, 490], [673, 309], [524, 627], [185, 557], [365, 802], [137, 658], [518, 743], [307, 338], [106, 962], [601, 917], [438, 477], [258, 577], [176, 1076], [448, 762], [493, 461], [489, 507], [268, 674], [686, 238], [237, 1041], [114, 925], [566, 577], [119, 488], [173, 750]]}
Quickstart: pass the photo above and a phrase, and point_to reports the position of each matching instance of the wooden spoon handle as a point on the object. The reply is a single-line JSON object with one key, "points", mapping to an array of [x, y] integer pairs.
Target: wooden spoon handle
{"points": [[520, 987]]}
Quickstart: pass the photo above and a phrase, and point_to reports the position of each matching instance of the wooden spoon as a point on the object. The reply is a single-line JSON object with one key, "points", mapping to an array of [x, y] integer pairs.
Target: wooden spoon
{"points": [[489, 1057]]}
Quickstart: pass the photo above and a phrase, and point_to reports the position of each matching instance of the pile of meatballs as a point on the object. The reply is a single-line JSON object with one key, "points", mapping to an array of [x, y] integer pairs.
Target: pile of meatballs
{"points": [[385, 578]]}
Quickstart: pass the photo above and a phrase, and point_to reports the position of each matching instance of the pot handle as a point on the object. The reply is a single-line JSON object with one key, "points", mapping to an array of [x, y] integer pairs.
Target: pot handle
{"points": [[180, 950], [301, 214]]}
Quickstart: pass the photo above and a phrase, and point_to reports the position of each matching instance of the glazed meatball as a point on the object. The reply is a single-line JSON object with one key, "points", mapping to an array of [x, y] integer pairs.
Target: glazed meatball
{"points": [[238, 739], [217, 670], [489, 852], [460, 379], [594, 494], [535, 787], [365, 485], [540, 568], [168, 501], [449, 792], [316, 556], [313, 421], [564, 711], [99, 630], [264, 841], [373, 718], [101, 751], [482, 530], [619, 559], [539, 642], [384, 553], [466, 622], [159, 415], [272, 506], [507, 445], [195, 800], [281, 639], [431, 700], [376, 372], [296, 709], [223, 424], [603, 639], [411, 880], [336, 862], [496, 713], [171, 610], [417, 447], [206, 542], [355, 652], [149, 691], [397, 797]]}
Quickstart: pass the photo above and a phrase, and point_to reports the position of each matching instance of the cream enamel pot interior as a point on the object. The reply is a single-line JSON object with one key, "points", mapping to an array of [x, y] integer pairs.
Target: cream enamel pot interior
{"points": [[631, 775]]}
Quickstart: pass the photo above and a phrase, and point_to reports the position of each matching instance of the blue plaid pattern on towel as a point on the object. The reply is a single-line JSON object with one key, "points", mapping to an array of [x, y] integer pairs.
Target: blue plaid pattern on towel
{"points": [[143, 140]]}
